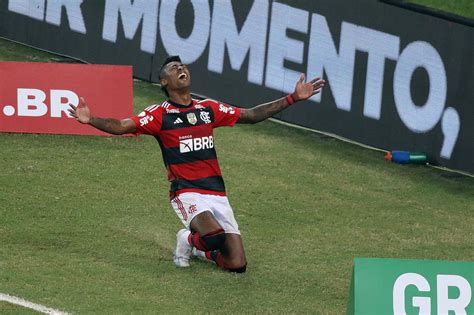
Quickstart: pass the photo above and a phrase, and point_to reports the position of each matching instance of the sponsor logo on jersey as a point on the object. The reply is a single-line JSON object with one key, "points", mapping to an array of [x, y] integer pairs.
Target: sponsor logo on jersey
{"points": [[195, 144], [178, 121], [205, 117], [226, 109], [192, 118], [172, 111], [145, 120], [197, 106]]}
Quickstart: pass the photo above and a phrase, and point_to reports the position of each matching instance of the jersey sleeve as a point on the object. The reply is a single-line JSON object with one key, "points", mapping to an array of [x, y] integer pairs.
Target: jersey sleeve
{"points": [[148, 122], [224, 115]]}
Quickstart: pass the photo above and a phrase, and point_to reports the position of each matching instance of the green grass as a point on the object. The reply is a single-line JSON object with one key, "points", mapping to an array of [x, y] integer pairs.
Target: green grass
{"points": [[460, 7], [87, 226], [7, 308]]}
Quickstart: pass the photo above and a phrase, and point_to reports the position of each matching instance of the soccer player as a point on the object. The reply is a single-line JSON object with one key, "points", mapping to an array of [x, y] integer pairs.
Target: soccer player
{"points": [[183, 128]]}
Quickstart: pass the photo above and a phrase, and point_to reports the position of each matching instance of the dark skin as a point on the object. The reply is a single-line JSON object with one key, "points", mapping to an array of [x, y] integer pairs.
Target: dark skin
{"points": [[175, 77]]}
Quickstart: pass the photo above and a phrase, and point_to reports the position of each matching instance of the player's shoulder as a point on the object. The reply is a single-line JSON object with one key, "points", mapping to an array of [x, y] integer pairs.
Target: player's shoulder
{"points": [[155, 109], [207, 102], [214, 105], [151, 109], [218, 107], [169, 108]]}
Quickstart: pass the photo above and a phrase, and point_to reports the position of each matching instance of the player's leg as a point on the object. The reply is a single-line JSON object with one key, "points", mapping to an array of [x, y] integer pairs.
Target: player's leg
{"points": [[231, 256], [203, 231], [205, 236], [210, 219], [206, 233]]}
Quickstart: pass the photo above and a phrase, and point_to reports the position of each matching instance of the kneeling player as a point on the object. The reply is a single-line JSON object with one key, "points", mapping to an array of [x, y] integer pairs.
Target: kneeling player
{"points": [[183, 128]]}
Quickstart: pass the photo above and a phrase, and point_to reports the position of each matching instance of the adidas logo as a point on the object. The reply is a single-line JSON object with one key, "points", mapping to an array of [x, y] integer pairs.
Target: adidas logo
{"points": [[178, 121]]}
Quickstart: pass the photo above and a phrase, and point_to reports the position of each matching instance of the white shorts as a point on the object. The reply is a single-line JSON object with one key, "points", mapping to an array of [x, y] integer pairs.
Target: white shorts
{"points": [[190, 204]]}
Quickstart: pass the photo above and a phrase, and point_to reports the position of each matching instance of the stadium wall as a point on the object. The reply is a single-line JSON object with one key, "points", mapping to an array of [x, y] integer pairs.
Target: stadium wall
{"points": [[397, 79]]}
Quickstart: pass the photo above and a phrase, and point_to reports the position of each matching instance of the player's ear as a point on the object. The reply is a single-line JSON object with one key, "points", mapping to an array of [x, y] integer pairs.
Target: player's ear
{"points": [[163, 82]]}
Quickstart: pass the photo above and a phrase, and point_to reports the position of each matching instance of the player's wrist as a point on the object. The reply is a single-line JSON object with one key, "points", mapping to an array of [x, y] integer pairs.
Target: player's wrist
{"points": [[89, 121], [291, 98]]}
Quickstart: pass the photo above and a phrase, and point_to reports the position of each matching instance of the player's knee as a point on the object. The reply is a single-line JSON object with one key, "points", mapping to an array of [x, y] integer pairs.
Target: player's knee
{"points": [[237, 264], [239, 269], [214, 240]]}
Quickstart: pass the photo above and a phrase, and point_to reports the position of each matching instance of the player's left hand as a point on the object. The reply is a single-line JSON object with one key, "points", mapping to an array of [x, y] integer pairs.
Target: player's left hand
{"points": [[304, 91]]}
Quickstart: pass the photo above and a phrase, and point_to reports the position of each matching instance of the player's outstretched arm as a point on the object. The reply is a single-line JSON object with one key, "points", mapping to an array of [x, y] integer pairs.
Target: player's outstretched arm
{"points": [[302, 92], [109, 125]]}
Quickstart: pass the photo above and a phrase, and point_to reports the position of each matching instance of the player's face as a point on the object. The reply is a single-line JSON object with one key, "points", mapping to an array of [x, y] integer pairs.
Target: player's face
{"points": [[177, 76]]}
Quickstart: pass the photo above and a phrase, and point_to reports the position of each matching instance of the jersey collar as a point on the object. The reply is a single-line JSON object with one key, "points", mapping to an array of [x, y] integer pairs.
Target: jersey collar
{"points": [[181, 105]]}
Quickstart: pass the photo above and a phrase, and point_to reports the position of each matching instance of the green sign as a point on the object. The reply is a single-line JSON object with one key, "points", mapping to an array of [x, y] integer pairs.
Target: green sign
{"points": [[394, 286]]}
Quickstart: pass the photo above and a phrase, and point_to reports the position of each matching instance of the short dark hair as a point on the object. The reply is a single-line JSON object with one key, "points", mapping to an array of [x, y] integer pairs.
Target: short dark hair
{"points": [[163, 65]]}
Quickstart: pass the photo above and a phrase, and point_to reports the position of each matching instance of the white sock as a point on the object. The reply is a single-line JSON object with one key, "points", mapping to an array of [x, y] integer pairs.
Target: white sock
{"points": [[199, 253]]}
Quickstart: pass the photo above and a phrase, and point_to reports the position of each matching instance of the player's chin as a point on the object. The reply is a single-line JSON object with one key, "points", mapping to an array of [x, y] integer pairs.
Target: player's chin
{"points": [[184, 83]]}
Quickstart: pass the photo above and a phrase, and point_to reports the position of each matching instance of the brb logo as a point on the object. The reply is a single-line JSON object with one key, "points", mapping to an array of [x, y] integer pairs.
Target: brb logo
{"points": [[32, 103], [447, 301], [190, 144]]}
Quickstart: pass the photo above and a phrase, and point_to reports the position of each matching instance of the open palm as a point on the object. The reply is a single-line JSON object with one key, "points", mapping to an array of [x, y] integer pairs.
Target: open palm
{"points": [[81, 112], [304, 91]]}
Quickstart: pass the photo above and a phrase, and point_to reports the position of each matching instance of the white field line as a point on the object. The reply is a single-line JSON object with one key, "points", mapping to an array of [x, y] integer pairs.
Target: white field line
{"points": [[28, 304]]}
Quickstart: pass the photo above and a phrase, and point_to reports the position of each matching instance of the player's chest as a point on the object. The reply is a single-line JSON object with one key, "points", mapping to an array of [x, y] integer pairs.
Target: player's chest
{"points": [[191, 125], [178, 119]]}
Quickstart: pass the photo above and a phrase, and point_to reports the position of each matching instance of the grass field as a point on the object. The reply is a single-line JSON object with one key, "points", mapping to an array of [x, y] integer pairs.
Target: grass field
{"points": [[87, 227], [460, 7]]}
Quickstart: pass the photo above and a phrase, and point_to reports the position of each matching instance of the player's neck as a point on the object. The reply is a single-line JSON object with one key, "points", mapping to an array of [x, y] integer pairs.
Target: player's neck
{"points": [[183, 98]]}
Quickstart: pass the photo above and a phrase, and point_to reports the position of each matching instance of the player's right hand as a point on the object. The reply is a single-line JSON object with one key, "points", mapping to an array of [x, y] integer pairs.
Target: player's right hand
{"points": [[81, 112]]}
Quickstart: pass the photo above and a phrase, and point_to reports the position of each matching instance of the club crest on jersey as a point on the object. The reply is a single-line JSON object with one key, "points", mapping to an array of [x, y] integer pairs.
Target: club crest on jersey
{"points": [[205, 117], [192, 119]]}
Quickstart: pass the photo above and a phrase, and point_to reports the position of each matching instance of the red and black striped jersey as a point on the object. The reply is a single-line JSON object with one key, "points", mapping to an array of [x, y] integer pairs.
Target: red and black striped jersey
{"points": [[185, 135]]}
